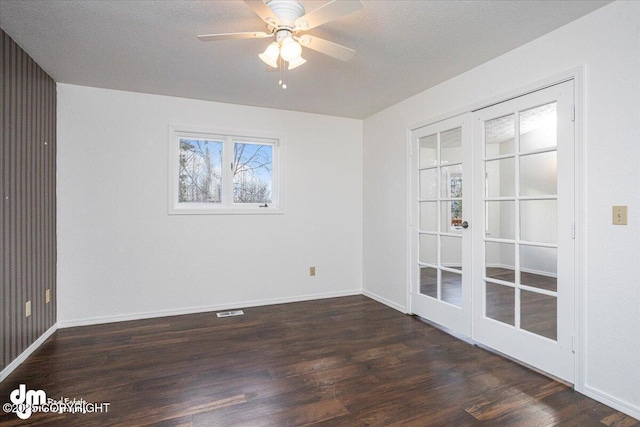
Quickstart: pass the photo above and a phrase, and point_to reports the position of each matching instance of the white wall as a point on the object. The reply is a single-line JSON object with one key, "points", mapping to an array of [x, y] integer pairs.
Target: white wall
{"points": [[120, 255], [607, 43]]}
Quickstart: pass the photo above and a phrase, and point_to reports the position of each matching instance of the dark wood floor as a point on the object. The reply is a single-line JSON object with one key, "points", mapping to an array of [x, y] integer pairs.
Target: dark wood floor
{"points": [[336, 362]]}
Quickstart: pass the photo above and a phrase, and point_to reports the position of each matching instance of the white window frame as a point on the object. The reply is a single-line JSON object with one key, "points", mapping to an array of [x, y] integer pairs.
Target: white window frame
{"points": [[226, 206]]}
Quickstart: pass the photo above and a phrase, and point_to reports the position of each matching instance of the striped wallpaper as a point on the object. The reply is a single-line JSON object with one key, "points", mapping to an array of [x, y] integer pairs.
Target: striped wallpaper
{"points": [[28, 199]]}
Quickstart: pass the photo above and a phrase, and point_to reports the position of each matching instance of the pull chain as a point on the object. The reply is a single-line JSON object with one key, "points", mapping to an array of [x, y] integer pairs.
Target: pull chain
{"points": [[281, 68]]}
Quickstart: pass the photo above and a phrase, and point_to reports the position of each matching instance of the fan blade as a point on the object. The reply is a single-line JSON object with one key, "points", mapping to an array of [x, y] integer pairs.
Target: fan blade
{"points": [[325, 46], [330, 11], [231, 36], [263, 11]]}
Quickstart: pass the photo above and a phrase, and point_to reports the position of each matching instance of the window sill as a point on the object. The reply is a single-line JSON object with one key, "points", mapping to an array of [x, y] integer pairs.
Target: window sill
{"points": [[225, 211]]}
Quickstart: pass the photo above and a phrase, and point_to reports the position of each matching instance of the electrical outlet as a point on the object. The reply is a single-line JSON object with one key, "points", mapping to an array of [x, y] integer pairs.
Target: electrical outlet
{"points": [[619, 215], [27, 309], [312, 271], [47, 296]]}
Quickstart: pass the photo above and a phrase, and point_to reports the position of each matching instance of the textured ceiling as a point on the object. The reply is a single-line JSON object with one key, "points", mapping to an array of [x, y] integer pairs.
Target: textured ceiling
{"points": [[403, 48]]}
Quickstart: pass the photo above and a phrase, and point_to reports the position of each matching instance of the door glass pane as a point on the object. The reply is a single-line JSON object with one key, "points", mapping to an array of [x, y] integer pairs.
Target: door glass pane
{"points": [[451, 291], [451, 146], [500, 178], [538, 221], [428, 151], [539, 267], [500, 303], [200, 171], [539, 314], [429, 216], [429, 249], [451, 217], [429, 184], [451, 181], [538, 127], [429, 282], [451, 255], [538, 174], [499, 136], [500, 261], [500, 221]]}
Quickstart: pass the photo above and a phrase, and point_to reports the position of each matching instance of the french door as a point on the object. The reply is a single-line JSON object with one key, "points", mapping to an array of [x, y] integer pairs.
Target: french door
{"points": [[441, 213], [524, 191], [507, 280]]}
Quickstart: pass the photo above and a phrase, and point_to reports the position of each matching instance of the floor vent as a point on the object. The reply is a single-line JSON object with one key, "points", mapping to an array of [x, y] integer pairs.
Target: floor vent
{"points": [[230, 313]]}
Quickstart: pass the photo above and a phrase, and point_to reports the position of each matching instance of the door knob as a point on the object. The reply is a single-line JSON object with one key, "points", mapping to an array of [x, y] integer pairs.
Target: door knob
{"points": [[465, 224]]}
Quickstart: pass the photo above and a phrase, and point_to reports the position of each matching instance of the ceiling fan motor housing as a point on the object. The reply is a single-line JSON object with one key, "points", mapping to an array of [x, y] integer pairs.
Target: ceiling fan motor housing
{"points": [[288, 12]]}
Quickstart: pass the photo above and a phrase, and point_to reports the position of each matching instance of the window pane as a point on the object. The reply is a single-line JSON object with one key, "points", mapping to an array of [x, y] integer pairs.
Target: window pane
{"points": [[539, 314], [538, 127], [500, 303], [500, 178], [500, 262], [451, 217], [539, 267], [451, 288], [451, 255], [429, 184], [538, 221], [499, 136], [429, 282], [252, 173], [428, 248], [200, 171], [500, 220], [451, 146], [428, 151], [538, 174], [428, 216], [451, 181]]}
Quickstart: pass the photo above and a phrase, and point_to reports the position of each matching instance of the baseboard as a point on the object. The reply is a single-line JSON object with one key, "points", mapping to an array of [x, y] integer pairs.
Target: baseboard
{"points": [[201, 309], [615, 403], [23, 356], [384, 301]]}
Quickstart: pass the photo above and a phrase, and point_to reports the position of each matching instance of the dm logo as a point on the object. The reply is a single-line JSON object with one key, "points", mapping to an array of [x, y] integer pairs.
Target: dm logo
{"points": [[25, 400]]}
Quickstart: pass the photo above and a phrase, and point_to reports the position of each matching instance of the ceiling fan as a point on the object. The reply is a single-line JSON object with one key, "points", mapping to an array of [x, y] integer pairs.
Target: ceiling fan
{"points": [[286, 21]]}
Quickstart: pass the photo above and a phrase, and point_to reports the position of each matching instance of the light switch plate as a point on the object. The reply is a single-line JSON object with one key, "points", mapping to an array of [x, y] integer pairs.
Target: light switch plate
{"points": [[619, 215]]}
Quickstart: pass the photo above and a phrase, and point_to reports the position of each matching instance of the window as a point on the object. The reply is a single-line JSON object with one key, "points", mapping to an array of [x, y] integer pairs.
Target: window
{"points": [[223, 173], [455, 191]]}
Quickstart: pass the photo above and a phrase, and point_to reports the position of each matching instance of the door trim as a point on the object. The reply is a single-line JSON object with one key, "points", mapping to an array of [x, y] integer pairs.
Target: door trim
{"points": [[576, 74]]}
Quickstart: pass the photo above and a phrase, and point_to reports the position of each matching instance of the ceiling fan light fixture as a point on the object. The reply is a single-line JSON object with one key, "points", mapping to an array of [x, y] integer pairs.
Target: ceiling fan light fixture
{"points": [[290, 50], [270, 55], [285, 19], [296, 63]]}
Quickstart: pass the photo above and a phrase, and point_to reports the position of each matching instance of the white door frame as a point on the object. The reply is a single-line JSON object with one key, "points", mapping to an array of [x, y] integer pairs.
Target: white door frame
{"points": [[577, 75]]}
